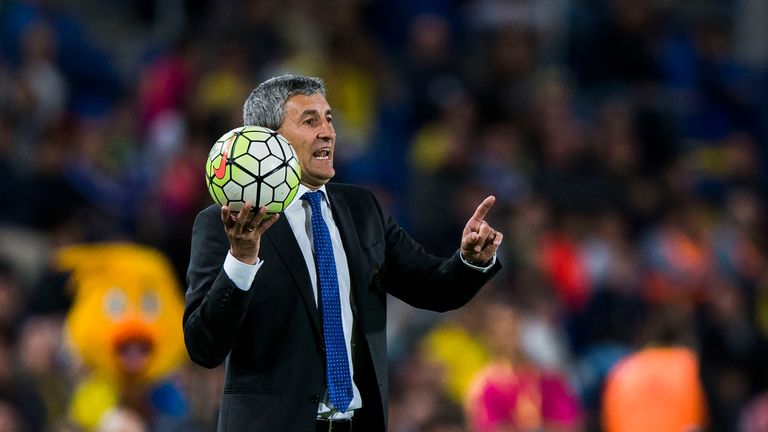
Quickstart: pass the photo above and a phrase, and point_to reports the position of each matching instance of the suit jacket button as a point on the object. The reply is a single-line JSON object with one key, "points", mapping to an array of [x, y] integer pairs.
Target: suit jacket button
{"points": [[314, 398]]}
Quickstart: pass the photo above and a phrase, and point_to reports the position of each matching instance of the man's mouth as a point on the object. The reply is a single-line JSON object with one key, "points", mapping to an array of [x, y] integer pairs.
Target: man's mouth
{"points": [[322, 154]]}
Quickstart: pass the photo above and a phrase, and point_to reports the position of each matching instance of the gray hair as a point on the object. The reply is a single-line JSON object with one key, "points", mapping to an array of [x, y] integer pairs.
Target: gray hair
{"points": [[266, 104]]}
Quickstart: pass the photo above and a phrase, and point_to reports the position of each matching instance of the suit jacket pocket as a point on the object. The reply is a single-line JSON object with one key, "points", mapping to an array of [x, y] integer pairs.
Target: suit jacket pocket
{"points": [[252, 412], [260, 412]]}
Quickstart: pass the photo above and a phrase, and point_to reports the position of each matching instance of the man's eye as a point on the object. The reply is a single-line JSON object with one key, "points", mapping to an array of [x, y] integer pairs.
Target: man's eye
{"points": [[309, 122]]}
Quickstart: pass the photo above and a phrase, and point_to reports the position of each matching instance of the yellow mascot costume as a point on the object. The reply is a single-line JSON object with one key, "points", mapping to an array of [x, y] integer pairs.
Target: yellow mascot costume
{"points": [[125, 327]]}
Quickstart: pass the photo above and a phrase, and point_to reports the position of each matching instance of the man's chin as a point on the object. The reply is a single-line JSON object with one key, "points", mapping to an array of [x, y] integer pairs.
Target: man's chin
{"points": [[317, 179]]}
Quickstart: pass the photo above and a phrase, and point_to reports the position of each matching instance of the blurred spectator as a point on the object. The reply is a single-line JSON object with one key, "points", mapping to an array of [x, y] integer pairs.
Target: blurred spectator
{"points": [[500, 164], [220, 89], [11, 301], [179, 197], [121, 420], [625, 142], [354, 77], [43, 91], [513, 393], [564, 266], [9, 419], [21, 406], [641, 389], [431, 67], [91, 78], [198, 384], [122, 330], [754, 416], [675, 254], [732, 352], [164, 85], [455, 349], [437, 158], [417, 396], [41, 367]]}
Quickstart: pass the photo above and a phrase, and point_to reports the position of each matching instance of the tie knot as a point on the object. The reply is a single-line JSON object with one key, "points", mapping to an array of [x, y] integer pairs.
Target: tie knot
{"points": [[313, 197]]}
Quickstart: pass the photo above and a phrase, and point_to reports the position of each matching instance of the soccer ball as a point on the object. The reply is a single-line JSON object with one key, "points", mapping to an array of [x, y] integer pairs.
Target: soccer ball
{"points": [[256, 164]]}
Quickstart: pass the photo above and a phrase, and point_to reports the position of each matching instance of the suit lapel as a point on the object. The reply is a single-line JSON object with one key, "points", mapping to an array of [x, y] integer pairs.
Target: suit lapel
{"points": [[284, 242], [343, 217]]}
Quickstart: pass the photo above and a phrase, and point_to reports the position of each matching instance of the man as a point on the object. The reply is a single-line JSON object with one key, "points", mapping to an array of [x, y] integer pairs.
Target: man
{"points": [[296, 303]]}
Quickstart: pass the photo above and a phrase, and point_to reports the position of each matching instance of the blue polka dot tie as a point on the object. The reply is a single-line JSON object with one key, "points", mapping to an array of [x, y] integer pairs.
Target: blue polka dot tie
{"points": [[337, 363]]}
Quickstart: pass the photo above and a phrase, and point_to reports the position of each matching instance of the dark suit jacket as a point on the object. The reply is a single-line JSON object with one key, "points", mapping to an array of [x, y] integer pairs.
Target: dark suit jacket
{"points": [[270, 336]]}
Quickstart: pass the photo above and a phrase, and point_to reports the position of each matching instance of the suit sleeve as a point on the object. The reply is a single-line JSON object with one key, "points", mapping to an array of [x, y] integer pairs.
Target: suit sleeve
{"points": [[215, 307], [424, 280]]}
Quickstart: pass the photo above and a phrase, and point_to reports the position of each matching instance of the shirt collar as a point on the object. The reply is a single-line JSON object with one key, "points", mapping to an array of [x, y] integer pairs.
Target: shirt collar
{"points": [[302, 190]]}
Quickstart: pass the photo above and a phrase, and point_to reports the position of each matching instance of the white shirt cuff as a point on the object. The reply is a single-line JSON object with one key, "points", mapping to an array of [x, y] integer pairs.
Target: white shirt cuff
{"points": [[483, 269], [240, 273]]}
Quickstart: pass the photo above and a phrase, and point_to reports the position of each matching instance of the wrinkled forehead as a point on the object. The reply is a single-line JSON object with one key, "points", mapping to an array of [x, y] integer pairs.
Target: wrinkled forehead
{"points": [[300, 105]]}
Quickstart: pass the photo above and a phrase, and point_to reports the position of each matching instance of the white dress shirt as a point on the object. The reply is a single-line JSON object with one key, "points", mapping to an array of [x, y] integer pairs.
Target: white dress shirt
{"points": [[298, 215]]}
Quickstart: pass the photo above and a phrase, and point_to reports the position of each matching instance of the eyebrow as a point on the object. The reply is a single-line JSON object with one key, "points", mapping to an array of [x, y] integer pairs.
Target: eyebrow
{"points": [[314, 112]]}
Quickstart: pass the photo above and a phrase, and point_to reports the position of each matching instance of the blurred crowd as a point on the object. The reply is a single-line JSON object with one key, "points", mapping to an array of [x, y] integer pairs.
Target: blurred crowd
{"points": [[626, 143]]}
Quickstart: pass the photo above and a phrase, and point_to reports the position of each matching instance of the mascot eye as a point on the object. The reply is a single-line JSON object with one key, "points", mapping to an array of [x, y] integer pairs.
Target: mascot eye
{"points": [[114, 302], [150, 303]]}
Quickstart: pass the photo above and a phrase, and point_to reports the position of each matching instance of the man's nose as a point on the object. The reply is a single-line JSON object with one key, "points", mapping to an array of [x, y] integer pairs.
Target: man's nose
{"points": [[326, 130]]}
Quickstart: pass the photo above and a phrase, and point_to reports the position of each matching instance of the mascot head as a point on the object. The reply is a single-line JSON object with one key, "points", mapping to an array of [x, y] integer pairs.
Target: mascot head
{"points": [[125, 320]]}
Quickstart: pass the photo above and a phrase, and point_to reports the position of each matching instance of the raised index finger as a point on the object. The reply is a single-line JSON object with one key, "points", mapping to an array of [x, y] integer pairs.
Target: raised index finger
{"points": [[483, 208]]}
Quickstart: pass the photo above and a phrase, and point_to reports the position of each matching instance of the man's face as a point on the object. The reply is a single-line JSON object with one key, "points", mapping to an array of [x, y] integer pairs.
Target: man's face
{"points": [[308, 126]]}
